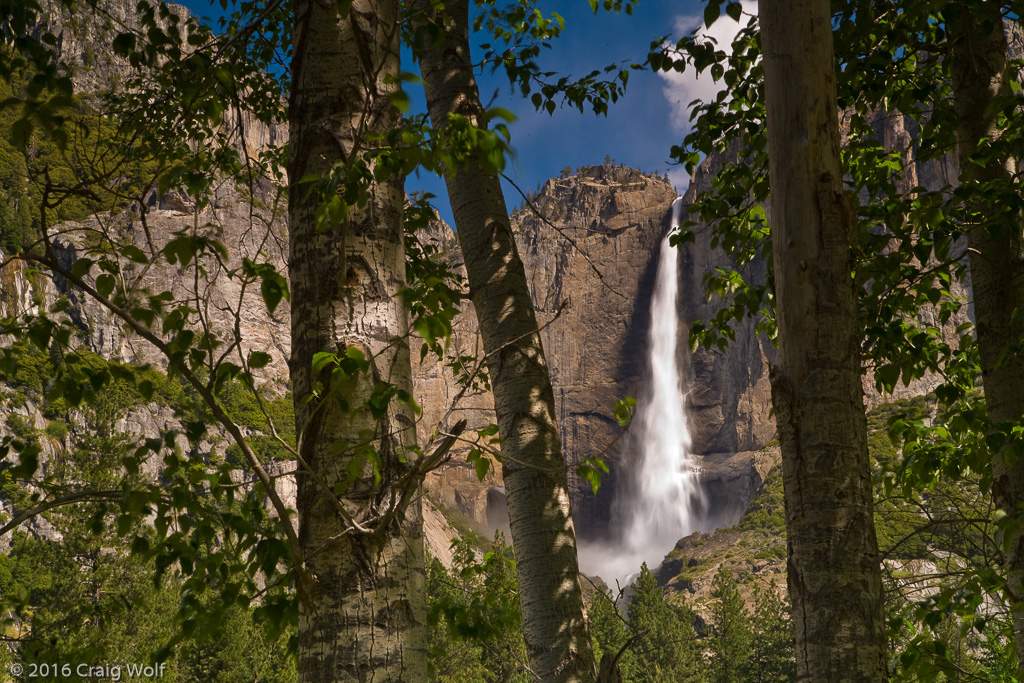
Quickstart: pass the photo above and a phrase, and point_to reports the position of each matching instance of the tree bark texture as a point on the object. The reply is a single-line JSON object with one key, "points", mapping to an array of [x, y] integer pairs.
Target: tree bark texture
{"points": [[364, 618], [540, 519], [996, 257], [833, 563]]}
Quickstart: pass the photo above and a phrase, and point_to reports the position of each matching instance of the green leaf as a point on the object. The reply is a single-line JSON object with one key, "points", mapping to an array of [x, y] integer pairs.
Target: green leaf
{"points": [[21, 133], [909, 658], [82, 267], [322, 359], [712, 12], [590, 469], [624, 411], [273, 290], [481, 466], [887, 376], [401, 100], [259, 359], [134, 253], [140, 546], [123, 44], [105, 285], [28, 463]]}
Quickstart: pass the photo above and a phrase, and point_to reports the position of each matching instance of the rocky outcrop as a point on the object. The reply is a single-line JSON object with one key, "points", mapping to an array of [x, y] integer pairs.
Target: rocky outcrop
{"points": [[226, 301], [444, 400], [84, 38], [731, 480]]}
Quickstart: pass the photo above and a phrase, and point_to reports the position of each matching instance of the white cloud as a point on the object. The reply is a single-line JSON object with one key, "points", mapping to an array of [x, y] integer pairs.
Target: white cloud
{"points": [[680, 89], [679, 178]]}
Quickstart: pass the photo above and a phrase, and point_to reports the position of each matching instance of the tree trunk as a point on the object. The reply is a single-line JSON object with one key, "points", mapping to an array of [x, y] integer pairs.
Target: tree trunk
{"points": [[534, 473], [979, 75], [364, 616], [833, 565]]}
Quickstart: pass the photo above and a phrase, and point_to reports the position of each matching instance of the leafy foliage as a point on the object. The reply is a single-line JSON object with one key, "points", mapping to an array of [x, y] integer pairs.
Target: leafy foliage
{"points": [[83, 595], [894, 62], [766, 511], [476, 629], [772, 655], [655, 642]]}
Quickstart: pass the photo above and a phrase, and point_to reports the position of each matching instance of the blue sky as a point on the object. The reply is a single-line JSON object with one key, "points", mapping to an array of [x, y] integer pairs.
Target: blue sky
{"points": [[638, 130]]}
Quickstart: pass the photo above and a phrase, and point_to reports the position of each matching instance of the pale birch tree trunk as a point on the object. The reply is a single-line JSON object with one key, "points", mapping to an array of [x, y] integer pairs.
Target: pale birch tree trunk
{"points": [[534, 473], [979, 76], [364, 617], [833, 565]]}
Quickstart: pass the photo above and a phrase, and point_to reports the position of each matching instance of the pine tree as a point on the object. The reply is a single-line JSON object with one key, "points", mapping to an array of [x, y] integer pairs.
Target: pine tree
{"points": [[606, 626], [665, 646], [452, 658], [773, 659], [732, 639], [474, 615]]}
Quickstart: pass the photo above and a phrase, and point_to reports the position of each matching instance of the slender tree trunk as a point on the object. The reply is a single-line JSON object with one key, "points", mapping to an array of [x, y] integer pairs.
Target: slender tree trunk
{"points": [[979, 71], [364, 616], [833, 566], [534, 472]]}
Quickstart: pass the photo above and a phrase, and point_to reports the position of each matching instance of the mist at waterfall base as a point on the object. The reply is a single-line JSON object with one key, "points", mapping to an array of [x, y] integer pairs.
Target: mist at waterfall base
{"points": [[660, 499]]}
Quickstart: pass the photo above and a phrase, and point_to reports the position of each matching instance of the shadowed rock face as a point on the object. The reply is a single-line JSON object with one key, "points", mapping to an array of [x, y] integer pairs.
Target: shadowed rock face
{"points": [[730, 399]]}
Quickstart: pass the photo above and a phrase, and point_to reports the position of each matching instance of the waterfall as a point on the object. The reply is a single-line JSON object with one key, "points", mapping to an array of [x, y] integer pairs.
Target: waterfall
{"points": [[661, 499]]}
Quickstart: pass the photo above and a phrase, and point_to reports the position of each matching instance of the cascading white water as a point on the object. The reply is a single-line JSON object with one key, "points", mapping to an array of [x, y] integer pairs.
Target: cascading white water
{"points": [[662, 501]]}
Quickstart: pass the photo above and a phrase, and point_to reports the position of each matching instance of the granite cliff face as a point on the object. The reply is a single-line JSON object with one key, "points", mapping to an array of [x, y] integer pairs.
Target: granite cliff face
{"points": [[592, 296], [731, 396], [591, 273]]}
